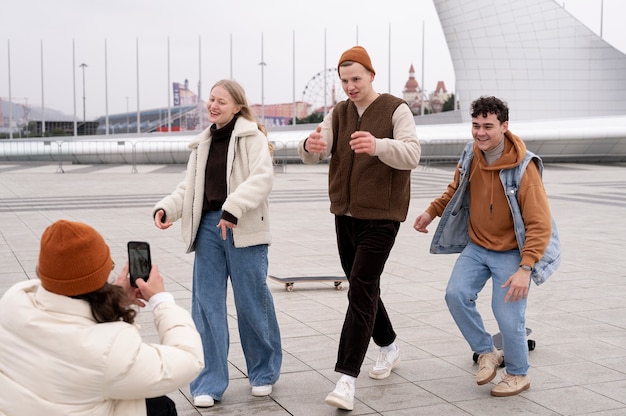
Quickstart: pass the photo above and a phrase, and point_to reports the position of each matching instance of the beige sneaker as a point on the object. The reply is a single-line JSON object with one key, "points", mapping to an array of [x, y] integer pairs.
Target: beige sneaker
{"points": [[488, 366], [510, 385]]}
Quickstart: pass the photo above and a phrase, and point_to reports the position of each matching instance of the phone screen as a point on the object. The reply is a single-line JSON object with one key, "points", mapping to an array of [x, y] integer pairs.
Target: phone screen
{"points": [[139, 262]]}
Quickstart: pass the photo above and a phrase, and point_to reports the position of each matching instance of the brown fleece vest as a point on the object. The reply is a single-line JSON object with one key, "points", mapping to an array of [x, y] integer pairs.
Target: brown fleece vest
{"points": [[359, 183]]}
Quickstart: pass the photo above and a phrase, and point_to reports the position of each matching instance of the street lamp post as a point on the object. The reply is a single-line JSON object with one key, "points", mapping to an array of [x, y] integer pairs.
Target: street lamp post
{"points": [[127, 117], [83, 66]]}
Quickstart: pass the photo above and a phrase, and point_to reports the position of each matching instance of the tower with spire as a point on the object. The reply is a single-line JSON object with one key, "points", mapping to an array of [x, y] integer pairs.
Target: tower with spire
{"points": [[411, 92]]}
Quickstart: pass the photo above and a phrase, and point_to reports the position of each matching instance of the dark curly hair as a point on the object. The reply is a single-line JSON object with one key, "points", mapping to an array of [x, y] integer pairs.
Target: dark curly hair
{"points": [[490, 105], [110, 304]]}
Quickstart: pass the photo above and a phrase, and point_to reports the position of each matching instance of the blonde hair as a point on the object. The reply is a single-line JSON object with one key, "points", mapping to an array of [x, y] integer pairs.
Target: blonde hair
{"points": [[239, 96]]}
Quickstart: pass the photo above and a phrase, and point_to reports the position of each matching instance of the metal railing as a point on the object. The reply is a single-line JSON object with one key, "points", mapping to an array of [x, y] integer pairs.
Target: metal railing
{"points": [[174, 150], [127, 152]]}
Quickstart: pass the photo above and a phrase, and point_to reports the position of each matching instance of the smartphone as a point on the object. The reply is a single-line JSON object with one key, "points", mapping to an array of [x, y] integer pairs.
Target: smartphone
{"points": [[139, 262]]}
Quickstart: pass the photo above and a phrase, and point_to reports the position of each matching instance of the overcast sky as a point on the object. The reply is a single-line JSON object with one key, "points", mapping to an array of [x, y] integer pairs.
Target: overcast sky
{"points": [[228, 37]]}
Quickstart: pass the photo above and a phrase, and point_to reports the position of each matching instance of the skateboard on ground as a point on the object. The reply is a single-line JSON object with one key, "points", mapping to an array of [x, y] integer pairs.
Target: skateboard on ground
{"points": [[290, 281], [497, 342]]}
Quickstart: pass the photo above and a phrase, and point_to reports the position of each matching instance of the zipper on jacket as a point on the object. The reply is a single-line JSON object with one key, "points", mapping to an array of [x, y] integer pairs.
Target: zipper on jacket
{"points": [[192, 238], [230, 176], [232, 164]]}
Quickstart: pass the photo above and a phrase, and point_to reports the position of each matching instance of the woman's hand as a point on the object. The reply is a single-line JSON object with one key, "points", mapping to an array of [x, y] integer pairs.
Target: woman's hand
{"points": [[224, 226], [133, 293], [161, 221]]}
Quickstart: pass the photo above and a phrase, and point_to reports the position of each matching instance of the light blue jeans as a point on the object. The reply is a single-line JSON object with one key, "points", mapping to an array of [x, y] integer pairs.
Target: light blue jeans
{"points": [[216, 260], [471, 271]]}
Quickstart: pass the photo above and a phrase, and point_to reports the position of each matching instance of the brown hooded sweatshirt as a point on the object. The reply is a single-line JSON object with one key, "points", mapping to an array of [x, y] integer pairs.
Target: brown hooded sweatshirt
{"points": [[491, 222]]}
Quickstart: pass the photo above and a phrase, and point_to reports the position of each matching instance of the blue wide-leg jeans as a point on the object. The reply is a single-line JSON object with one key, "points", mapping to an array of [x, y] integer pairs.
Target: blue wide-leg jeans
{"points": [[215, 261], [471, 271]]}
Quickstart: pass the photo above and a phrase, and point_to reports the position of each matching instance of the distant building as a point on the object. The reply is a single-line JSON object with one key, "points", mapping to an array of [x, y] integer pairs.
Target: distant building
{"points": [[280, 114], [13, 116], [438, 97], [183, 96], [183, 118], [62, 128], [412, 94]]}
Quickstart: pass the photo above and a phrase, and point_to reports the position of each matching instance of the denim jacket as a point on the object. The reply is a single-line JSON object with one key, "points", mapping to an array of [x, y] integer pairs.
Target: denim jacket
{"points": [[452, 233]]}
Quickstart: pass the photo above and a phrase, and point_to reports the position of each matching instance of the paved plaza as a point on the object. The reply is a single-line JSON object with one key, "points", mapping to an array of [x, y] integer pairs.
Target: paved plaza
{"points": [[578, 317]]}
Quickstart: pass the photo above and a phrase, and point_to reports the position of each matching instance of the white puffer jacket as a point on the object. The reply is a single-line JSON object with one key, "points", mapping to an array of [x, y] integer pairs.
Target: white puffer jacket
{"points": [[55, 360]]}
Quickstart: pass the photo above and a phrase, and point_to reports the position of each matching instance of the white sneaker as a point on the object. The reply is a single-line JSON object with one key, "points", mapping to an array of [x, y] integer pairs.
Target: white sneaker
{"points": [[343, 395], [203, 400], [260, 391], [386, 361]]}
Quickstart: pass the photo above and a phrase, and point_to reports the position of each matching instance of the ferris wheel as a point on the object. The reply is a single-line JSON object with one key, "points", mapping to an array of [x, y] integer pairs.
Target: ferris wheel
{"points": [[324, 89]]}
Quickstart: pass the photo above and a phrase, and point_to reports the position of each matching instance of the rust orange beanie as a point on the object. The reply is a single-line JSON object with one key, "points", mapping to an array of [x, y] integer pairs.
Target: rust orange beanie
{"points": [[357, 54], [73, 259]]}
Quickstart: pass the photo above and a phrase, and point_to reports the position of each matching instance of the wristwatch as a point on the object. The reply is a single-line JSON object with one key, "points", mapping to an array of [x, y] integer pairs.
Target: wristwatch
{"points": [[527, 268]]}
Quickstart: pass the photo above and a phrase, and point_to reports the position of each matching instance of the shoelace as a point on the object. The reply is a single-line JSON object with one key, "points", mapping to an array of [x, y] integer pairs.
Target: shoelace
{"points": [[344, 388], [382, 359], [488, 357], [507, 378]]}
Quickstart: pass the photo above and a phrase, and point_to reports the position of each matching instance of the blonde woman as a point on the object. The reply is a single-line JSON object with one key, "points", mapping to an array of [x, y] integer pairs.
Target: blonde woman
{"points": [[223, 205]]}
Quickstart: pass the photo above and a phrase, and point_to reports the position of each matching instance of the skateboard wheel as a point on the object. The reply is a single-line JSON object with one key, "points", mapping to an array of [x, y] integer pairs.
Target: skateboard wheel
{"points": [[531, 344], [338, 286], [289, 287]]}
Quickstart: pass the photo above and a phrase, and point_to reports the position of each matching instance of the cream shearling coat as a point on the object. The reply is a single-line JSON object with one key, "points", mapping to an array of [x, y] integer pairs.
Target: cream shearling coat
{"points": [[56, 360], [250, 177]]}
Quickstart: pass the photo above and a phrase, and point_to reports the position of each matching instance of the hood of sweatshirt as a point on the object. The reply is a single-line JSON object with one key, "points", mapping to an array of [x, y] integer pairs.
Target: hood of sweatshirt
{"points": [[512, 155]]}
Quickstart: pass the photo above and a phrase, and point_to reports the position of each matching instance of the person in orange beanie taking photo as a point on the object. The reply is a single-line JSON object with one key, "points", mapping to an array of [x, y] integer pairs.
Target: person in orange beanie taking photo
{"points": [[69, 343]]}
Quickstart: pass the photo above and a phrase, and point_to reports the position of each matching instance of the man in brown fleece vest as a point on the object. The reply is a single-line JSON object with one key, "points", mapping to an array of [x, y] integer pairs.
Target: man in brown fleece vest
{"points": [[372, 144]]}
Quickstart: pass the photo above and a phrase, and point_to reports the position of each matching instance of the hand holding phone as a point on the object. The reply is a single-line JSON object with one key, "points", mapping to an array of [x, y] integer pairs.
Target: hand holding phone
{"points": [[139, 261]]}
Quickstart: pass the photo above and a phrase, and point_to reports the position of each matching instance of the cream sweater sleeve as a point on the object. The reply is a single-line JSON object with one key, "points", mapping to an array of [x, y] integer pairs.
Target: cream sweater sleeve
{"points": [[403, 151]]}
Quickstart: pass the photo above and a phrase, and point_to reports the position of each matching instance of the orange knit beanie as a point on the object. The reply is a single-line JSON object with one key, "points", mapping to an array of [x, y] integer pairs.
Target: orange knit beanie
{"points": [[73, 259], [357, 54]]}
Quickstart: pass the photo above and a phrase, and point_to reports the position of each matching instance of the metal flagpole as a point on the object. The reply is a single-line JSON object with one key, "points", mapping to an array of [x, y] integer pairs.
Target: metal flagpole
{"points": [[43, 108], [138, 115], [10, 96], [83, 66], [106, 88], [325, 71], [601, 16], [74, 86], [293, 86], [422, 89], [231, 56], [199, 97], [389, 62], [263, 64], [169, 90]]}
